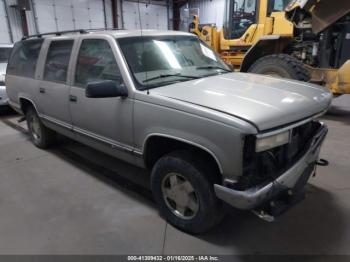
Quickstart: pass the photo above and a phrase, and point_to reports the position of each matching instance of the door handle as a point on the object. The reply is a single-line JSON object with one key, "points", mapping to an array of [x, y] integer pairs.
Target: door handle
{"points": [[73, 98], [42, 90]]}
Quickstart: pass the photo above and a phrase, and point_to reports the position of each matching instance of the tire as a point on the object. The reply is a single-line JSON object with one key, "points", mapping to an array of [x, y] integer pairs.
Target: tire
{"points": [[281, 65], [40, 135], [201, 177]]}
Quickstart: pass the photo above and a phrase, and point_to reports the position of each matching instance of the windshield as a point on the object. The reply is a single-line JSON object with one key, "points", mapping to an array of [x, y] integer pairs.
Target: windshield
{"points": [[158, 61], [5, 54]]}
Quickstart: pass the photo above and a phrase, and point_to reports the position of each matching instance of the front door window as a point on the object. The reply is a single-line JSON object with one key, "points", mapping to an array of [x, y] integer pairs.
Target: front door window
{"points": [[96, 62]]}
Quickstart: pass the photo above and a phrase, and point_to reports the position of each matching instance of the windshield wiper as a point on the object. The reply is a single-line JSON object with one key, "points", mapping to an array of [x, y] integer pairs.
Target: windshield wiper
{"points": [[169, 75], [212, 67]]}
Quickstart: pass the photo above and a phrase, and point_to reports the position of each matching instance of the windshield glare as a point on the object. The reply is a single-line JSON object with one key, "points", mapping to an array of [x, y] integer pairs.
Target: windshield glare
{"points": [[165, 60]]}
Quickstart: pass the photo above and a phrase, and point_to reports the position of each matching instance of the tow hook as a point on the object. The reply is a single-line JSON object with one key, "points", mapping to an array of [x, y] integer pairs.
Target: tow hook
{"points": [[263, 215], [322, 162]]}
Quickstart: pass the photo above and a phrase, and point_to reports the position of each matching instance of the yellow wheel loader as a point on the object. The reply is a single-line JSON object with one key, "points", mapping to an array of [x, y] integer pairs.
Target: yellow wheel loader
{"points": [[307, 40]]}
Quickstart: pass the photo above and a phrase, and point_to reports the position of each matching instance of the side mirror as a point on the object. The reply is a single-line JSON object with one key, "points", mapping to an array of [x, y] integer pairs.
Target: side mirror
{"points": [[104, 89]]}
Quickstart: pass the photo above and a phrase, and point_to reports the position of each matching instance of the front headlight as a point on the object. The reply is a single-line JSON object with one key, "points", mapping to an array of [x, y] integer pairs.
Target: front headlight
{"points": [[266, 143]]}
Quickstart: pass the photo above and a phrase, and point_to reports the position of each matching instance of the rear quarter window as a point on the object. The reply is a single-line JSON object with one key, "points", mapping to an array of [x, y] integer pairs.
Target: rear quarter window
{"points": [[24, 58]]}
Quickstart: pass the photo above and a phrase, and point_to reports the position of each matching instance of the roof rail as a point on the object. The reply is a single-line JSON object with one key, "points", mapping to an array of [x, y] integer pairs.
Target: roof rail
{"points": [[59, 33]]}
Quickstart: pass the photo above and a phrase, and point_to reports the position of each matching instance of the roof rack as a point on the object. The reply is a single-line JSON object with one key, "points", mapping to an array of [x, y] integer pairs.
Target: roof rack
{"points": [[59, 33]]}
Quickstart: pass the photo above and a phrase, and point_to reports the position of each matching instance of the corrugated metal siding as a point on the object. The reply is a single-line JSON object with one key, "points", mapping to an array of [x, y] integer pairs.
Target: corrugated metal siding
{"points": [[59, 15], [108, 9], [14, 18], [30, 15], [152, 16], [5, 33], [210, 12]]}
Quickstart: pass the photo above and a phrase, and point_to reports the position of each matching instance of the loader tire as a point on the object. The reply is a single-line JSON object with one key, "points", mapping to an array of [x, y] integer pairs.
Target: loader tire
{"points": [[281, 65]]}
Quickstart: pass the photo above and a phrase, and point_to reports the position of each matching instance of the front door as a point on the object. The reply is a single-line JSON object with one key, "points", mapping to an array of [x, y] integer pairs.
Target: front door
{"points": [[105, 123]]}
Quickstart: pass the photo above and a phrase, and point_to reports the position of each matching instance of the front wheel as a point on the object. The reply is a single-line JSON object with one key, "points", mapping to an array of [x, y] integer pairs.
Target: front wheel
{"points": [[182, 186], [281, 65], [40, 135]]}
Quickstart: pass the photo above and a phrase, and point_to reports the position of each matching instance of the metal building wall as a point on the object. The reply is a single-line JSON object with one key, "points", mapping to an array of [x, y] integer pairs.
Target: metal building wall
{"points": [[108, 13], [210, 11], [13, 22], [56, 15], [5, 32], [59, 15], [53, 15], [153, 15]]}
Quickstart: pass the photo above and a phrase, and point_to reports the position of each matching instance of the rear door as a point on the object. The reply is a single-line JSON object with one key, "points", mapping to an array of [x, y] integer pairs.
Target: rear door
{"points": [[53, 87], [105, 123]]}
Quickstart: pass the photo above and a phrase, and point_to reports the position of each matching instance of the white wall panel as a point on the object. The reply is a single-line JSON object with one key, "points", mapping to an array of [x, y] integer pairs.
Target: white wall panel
{"points": [[64, 15], [5, 37], [59, 15], [45, 16], [152, 16], [210, 11], [32, 28], [109, 14], [81, 17], [14, 20]]}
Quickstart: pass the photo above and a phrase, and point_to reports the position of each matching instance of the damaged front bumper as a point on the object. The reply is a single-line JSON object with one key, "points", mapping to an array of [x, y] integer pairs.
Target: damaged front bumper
{"points": [[294, 178]]}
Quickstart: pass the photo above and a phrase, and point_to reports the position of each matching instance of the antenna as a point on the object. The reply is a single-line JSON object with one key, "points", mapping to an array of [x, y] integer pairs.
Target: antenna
{"points": [[143, 43]]}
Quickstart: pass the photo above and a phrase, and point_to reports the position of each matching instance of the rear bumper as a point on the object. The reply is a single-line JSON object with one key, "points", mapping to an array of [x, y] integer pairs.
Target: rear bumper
{"points": [[3, 96], [295, 177]]}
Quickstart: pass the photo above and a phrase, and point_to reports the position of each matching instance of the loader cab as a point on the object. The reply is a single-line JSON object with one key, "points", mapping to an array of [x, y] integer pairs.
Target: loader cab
{"points": [[276, 6], [241, 14]]}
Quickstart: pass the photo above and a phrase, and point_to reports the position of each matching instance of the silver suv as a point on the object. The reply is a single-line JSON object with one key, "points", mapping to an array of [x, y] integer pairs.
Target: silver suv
{"points": [[164, 101]]}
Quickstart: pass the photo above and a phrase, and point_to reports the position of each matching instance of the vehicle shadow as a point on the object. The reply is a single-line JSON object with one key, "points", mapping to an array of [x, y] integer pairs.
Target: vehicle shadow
{"points": [[307, 228], [312, 227], [6, 111], [339, 110], [338, 114], [122, 176]]}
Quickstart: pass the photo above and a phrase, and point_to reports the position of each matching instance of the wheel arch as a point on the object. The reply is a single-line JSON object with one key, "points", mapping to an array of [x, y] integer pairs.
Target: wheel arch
{"points": [[267, 45], [157, 145], [25, 102]]}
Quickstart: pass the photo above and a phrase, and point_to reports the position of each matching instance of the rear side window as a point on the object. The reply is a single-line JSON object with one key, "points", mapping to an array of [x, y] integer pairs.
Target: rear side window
{"points": [[57, 60], [96, 62], [24, 57]]}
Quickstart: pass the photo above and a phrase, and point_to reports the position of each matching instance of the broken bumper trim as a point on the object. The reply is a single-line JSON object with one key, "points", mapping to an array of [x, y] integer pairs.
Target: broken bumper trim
{"points": [[254, 197]]}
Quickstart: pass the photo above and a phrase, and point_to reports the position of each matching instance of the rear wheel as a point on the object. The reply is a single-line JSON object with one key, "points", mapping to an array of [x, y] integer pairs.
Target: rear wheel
{"points": [[182, 186], [41, 136], [281, 65]]}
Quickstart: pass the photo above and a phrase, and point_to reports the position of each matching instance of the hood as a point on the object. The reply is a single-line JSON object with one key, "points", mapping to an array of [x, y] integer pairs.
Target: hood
{"points": [[263, 101], [323, 12]]}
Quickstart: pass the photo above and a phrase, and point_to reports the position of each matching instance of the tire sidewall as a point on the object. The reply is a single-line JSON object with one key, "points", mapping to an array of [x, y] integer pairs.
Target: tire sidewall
{"points": [[32, 113], [204, 219], [47, 136], [281, 70], [284, 65]]}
